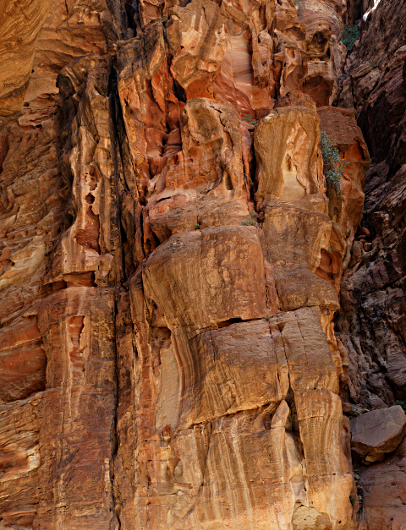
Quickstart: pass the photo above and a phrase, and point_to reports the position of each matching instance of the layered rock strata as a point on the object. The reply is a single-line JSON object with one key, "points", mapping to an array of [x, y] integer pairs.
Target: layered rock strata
{"points": [[171, 267]]}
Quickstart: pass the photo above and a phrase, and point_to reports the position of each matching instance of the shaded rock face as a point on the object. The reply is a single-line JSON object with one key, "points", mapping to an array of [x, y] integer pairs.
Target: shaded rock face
{"points": [[371, 320], [171, 266], [373, 287]]}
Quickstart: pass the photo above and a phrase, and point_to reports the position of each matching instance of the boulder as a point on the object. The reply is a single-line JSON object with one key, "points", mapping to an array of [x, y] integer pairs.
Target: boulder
{"points": [[378, 432]]}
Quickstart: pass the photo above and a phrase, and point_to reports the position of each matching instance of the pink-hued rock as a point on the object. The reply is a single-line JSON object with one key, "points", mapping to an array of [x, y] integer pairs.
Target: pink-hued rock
{"points": [[22, 360], [19, 461]]}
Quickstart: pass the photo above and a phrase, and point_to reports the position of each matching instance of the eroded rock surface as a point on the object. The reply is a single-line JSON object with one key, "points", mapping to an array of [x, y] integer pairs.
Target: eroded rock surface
{"points": [[170, 266]]}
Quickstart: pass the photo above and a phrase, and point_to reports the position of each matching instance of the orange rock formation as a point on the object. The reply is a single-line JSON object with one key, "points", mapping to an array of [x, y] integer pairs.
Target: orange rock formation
{"points": [[170, 266]]}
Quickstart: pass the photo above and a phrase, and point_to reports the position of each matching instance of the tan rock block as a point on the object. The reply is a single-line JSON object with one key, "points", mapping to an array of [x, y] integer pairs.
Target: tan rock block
{"points": [[228, 468], [320, 415], [261, 505], [199, 278], [299, 339], [295, 238], [248, 465], [303, 288], [235, 369], [288, 159], [197, 40], [330, 494], [19, 26]]}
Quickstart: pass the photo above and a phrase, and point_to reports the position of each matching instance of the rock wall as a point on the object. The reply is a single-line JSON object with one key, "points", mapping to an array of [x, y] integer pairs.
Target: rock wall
{"points": [[372, 321], [171, 263]]}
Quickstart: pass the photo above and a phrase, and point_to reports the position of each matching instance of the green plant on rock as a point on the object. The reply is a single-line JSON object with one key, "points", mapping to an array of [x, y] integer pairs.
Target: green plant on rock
{"points": [[250, 119], [353, 499], [333, 164], [250, 220], [401, 403], [355, 411], [349, 35], [298, 5]]}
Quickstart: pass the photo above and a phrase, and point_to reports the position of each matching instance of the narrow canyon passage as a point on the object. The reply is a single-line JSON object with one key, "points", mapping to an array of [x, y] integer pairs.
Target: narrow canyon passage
{"points": [[202, 265]]}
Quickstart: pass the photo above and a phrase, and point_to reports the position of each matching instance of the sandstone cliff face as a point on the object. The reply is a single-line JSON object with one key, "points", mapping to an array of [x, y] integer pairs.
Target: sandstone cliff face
{"points": [[170, 265]]}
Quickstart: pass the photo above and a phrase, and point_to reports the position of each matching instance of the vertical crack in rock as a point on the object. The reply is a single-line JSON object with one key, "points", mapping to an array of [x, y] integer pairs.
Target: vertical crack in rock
{"points": [[119, 175]]}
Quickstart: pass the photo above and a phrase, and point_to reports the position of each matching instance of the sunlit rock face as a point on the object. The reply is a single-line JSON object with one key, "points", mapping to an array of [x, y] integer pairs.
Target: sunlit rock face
{"points": [[170, 266]]}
